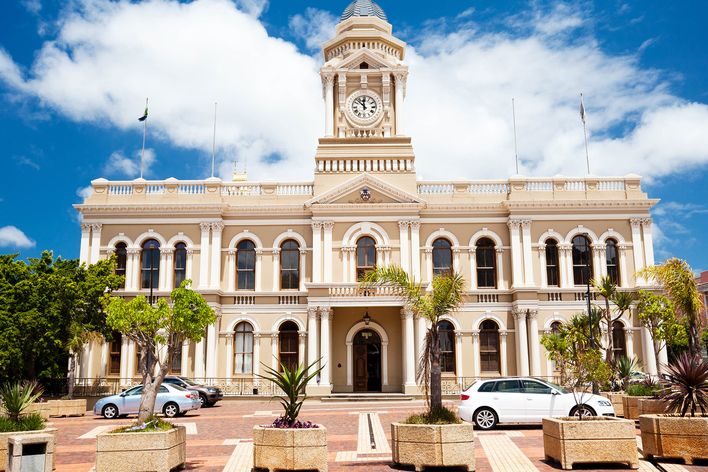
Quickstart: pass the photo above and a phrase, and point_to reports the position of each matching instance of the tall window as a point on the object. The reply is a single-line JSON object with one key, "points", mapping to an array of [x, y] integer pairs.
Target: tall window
{"points": [[243, 348], [446, 337], [486, 264], [442, 257], [555, 329], [150, 273], [489, 346], [365, 256], [121, 260], [290, 265], [246, 265], [582, 260], [619, 341], [176, 361], [114, 348], [289, 348], [612, 261], [180, 263], [552, 269]]}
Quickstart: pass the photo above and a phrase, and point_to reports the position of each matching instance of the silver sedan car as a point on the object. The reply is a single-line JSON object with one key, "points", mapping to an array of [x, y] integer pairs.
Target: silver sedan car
{"points": [[172, 400]]}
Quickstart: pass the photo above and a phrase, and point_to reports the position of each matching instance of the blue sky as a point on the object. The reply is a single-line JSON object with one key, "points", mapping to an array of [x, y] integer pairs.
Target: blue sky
{"points": [[73, 77]]}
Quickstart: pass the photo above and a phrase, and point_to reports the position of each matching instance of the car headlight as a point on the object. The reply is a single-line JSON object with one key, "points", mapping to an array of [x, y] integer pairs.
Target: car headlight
{"points": [[604, 403], [211, 390]]}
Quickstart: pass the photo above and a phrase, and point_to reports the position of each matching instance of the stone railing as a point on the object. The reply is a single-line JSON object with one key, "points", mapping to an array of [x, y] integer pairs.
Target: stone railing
{"points": [[332, 165], [356, 290]]}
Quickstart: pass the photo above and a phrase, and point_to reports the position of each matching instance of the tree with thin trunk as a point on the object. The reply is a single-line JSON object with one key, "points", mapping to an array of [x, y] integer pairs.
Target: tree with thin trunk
{"points": [[622, 301], [443, 298], [657, 314], [158, 331], [679, 282]]}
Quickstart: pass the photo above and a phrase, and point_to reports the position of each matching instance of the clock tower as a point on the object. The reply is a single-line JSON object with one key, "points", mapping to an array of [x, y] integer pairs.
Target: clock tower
{"points": [[364, 88]]}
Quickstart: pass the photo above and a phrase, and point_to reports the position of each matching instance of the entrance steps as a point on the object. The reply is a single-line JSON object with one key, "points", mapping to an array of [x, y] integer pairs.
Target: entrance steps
{"points": [[367, 397]]}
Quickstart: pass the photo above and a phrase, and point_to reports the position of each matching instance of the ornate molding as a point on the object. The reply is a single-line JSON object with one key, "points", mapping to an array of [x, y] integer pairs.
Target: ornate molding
{"points": [[96, 227], [205, 226], [217, 226]]}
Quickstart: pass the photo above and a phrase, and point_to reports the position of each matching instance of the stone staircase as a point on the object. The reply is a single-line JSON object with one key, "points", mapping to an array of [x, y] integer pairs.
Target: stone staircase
{"points": [[367, 397]]}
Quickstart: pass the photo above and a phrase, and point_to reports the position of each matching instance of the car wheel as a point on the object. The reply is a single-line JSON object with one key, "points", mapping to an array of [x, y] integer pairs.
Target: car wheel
{"points": [[211, 404], [171, 410], [110, 411], [582, 410], [485, 418], [203, 401]]}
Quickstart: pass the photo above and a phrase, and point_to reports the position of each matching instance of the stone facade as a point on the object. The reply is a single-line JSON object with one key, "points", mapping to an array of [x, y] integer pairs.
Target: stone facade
{"points": [[283, 257]]}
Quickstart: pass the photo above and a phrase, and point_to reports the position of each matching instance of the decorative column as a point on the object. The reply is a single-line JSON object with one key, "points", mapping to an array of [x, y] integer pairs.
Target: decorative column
{"points": [[104, 367], [325, 345], [216, 230], [212, 349], [549, 363], [190, 264], [199, 359], [516, 259], [476, 356], [302, 338], [256, 353], [648, 351], [124, 360], [328, 83], [132, 355], [95, 242], [415, 249], [185, 357], [132, 269], [456, 258], [599, 267], [312, 337], [534, 344], [566, 265], [428, 251], [276, 269], [501, 284], [328, 226], [167, 272], [204, 256], [459, 371], [421, 329], [259, 272], [317, 251], [348, 264], [229, 356], [350, 362], [303, 268], [84, 254], [408, 348], [637, 249], [542, 265], [231, 271], [473, 267], [400, 96], [629, 342], [503, 365], [403, 231], [384, 362], [648, 242], [622, 249], [522, 347], [528, 256], [274, 350], [663, 360]]}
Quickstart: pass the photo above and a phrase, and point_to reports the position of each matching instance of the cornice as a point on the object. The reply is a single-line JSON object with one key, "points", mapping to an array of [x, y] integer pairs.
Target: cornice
{"points": [[580, 204]]}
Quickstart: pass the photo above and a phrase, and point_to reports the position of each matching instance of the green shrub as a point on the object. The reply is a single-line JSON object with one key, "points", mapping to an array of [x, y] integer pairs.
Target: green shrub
{"points": [[641, 390], [438, 416], [17, 397], [152, 425], [31, 422]]}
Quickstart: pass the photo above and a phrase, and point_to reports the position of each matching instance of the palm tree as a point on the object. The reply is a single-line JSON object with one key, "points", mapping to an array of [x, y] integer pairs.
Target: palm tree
{"points": [[444, 297], [677, 278]]}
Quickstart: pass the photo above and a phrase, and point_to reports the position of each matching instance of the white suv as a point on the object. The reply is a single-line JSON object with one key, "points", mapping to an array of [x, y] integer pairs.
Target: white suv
{"points": [[525, 400]]}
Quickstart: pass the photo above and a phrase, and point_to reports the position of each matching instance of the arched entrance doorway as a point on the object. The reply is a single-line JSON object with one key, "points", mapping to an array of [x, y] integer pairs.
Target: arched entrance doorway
{"points": [[367, 361]]}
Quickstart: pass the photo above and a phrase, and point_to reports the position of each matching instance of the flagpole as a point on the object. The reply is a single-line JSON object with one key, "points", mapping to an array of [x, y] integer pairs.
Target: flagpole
{"points": [[142, 153], [585, 131], [516, 150], [213, 144]]}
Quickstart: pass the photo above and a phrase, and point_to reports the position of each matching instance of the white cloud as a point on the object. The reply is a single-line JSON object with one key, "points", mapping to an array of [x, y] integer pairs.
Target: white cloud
{"points": [[119, 164], [26, 161], [109, 55], [84, 192], [315, 27], [32, 6], [11, 236]]}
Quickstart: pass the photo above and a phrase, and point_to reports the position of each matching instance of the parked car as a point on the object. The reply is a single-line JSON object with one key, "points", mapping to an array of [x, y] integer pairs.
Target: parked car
{"points": [[207, 395], [172, 400], [524, 400]]}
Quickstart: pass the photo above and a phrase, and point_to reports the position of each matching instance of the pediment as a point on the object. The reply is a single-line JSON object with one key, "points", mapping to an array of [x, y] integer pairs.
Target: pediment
{"points": [[350, 192], [375, 61]]}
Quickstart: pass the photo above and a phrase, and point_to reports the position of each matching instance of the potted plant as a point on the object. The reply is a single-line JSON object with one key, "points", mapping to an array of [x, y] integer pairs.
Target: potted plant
{"points": [[623, 369], [15, 418], [648, 389], [151, 443], [584, 438], [436, 437], [678, 434], [288, 443]]}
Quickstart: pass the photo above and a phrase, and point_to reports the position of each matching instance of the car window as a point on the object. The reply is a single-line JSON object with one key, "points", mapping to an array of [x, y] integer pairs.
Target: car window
{"points": [[531, 386], [171, 381], [164, 389], [135, 391], [179, 388], [487, 387], [189, 382], [508, 386]]}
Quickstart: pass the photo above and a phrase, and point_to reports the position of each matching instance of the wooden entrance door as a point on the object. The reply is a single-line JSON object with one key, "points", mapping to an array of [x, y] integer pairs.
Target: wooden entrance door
{"points": [[367, 361], [360, 373]]}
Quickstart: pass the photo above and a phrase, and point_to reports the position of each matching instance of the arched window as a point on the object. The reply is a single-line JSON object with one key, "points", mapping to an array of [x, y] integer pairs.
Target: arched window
{"points": [[489, 346], [365, 256], [114, 352], [150, 273], [446, 337], [289, 345], [486, 264], [246, 265], [552, 268], [180, 263], [243, 348], [612, 261], [290, 265], [121, 260], [582, 260], [556, 327], [442, 257], [176, 361], [619, 341]]}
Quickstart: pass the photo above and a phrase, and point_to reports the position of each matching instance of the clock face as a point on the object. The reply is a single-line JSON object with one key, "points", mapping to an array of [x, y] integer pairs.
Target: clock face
{"points": [[364, 107]]}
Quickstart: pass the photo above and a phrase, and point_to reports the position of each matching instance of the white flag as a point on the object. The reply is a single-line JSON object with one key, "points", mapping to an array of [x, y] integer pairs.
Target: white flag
{"points": [[582, 109]]}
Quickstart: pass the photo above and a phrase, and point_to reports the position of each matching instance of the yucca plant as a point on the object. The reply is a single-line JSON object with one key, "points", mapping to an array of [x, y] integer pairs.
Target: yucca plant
{"points": [[293, 383], [688, 391], [17, 397], [624, 366]]}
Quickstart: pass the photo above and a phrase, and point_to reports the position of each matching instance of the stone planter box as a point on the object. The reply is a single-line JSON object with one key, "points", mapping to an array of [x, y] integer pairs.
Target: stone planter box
{"points": [[631, 406], [651, 406], [160, 451], [4, 438], [40, 408], [616, 399], [428, 445], [675, 437], [596, 439], [290, 449]]}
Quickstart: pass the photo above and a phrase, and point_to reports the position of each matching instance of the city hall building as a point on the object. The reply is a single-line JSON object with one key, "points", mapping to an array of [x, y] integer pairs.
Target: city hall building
{"points": [[279, 261]]}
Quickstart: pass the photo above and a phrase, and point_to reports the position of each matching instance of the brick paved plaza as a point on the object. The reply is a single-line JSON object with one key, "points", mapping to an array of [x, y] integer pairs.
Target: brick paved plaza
{"points": [[219, 438]]}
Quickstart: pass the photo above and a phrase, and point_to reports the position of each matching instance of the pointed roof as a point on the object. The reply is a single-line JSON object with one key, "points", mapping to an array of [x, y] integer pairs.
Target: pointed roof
{"points": [[363, 8]]}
